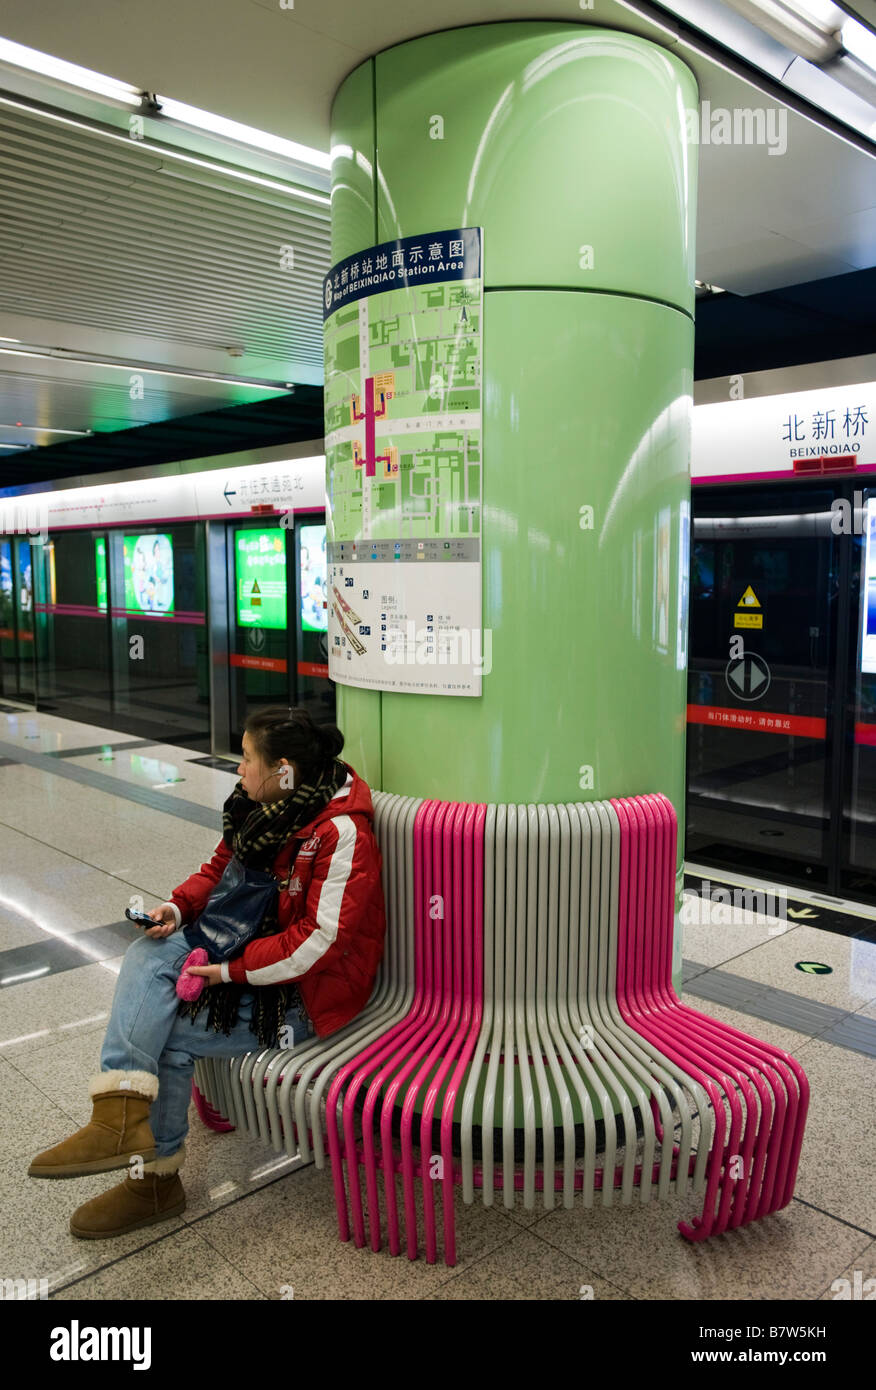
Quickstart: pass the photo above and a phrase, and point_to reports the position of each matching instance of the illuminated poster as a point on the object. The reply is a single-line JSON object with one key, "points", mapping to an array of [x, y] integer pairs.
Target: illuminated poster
{"points": [[312, 571], [6, 570], [868, 593], [100, 571], [6, 604], [49, 551], [260, 573], [403, 376], [148, 574], [25, 572]]}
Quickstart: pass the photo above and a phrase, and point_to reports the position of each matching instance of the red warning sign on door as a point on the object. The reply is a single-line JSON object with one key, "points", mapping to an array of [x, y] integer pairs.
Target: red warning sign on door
{"points": [[797, 725]]}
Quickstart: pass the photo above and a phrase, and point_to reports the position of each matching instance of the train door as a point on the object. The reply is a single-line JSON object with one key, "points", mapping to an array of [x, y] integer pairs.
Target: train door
{"points": [[260, 560], [268, 622], [17, 660], [765, 598], [856, 828], [8, 673], [71, 626], [314, 690], [158, 653]]}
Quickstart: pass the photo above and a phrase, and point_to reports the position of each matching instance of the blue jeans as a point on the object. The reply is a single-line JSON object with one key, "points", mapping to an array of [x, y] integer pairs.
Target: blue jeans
{"points": [[145, 1033]]}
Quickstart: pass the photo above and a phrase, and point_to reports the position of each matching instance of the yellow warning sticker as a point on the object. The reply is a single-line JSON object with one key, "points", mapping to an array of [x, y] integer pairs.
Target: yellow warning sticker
{"points": [[749, 599], [748, 619]]}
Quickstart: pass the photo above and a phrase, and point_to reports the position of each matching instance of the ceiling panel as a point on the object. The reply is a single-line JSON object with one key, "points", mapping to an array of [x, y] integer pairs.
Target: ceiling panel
{"points": [[850, 237], [83, 398], [766, 263], [95, 231], [271, 67], [278, 68], [112, 251]]}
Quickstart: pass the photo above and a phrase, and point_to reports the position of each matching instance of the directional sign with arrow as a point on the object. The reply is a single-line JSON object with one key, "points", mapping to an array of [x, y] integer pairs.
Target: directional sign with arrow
{"points": [[801, 912], [813, 967], [228, 495], [747, 677]]}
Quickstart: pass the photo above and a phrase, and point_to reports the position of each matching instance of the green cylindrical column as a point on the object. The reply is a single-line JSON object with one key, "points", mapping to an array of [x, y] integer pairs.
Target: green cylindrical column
{"points": [[567, 144]]}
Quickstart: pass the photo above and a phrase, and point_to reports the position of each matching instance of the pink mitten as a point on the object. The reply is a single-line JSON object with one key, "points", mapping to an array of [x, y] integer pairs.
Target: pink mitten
{"points": [[190, 986]]}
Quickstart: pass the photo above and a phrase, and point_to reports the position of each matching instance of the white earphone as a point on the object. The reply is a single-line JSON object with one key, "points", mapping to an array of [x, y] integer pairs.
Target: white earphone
{"points": [[278, 772]]}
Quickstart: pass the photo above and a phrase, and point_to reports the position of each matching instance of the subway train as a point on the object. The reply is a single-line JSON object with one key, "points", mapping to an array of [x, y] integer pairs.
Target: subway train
{"points": [[135, 606], [170, 607]]}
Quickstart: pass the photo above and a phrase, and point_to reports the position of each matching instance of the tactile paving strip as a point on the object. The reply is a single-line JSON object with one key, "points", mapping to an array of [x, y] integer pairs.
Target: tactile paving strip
{"points": [[172, 806], [825, 1021]]}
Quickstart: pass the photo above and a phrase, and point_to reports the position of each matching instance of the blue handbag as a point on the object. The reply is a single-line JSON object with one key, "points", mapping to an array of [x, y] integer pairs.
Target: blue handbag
{"points": [[234, 911]]}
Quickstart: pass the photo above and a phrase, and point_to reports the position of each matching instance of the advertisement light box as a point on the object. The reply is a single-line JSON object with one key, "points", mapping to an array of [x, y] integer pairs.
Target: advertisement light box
{"points": [[260, 572], [312, 570], [148, 574]]}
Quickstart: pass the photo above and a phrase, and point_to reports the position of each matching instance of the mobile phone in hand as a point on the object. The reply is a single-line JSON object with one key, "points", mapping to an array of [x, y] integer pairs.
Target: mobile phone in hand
{"points": [[142, 919]]}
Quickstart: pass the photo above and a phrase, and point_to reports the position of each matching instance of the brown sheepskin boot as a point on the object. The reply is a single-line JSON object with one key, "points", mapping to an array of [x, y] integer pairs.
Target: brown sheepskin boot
{"points": [[118, 1129], [157, 1196]]}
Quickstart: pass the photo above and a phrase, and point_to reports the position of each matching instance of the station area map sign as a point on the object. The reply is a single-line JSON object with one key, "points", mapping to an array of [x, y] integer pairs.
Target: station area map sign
{"points": [[403, 378]]}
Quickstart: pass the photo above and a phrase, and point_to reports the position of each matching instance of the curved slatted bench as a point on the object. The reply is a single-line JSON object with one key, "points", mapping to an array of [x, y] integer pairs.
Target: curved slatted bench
{"points": [[524, 1036]]}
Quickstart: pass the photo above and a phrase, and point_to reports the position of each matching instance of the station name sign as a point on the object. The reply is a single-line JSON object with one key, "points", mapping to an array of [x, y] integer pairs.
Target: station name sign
{"points": [[448, 255]]}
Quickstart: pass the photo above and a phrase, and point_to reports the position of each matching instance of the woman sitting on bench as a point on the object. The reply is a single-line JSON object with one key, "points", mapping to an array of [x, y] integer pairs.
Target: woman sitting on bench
{"points": [[307, 817]]}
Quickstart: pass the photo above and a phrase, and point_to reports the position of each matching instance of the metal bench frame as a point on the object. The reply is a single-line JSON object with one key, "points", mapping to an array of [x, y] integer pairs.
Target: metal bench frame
{"points": [[541, 934]]}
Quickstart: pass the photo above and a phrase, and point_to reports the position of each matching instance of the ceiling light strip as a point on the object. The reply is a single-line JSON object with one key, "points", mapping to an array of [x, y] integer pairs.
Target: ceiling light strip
{"points": [[32, 60], [841, 119], [198, 119], [165, 152], [86, 79], [43, 429], [148, 371]]}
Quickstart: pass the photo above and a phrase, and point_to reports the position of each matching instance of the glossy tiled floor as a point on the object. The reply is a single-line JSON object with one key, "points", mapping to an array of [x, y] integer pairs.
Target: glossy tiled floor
{"points": [[89, 818]]}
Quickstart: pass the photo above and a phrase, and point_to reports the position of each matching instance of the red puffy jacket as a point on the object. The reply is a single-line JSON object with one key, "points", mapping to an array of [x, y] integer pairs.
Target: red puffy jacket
{"points": [[330, 910]]}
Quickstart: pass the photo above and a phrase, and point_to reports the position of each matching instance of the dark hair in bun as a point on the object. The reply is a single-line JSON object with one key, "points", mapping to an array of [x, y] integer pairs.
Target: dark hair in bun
{"points": [[291, 733], [331, 738]]}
